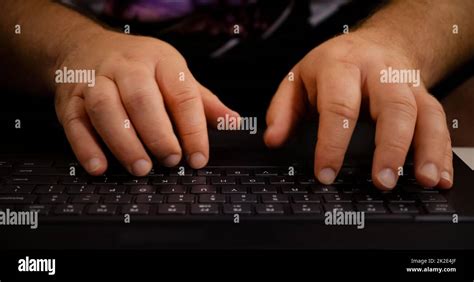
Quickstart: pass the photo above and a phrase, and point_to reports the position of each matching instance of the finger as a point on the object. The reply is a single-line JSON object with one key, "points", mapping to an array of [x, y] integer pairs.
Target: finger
{"points": [[447, 173], [393, 107], [338, 106], [108, 116], [431, 136], [82, 138], [214, 108], [285, 110], [183, 100], [144, 104]]}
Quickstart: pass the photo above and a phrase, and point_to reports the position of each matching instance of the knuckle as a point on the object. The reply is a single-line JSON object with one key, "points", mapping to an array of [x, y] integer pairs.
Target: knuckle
{"points": [[138, 98], [192, 132], [342, 108], [96, 101], [404, 105], [397, 146], [332, 149], [162, 145], [185, 95]]}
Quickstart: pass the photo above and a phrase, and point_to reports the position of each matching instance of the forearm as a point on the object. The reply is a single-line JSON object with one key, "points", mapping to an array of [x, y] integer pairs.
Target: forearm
{"points": [[49, 31], [424, 29]]}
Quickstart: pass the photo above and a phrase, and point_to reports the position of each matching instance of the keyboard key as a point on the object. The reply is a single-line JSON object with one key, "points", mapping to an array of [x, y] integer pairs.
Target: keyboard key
{"points": [[371, 208], [17, 189], [438, 208], [398, 198], [209, 172], [40, 209], [181, 198], [112, 189], [150, 199], [339, 207], [171, 189], [266, 172], [263, 189], [17, 199], [27, 171], [275, 198], [306, 199], [282, 180], [142, 189], [34, 163], [118, 199], [102, 209], [417, 189], [250, 180], [237, 172], [234, 189], [403, 208], [85, 199], [80, 189], [237, 209], [193, 180], [290, 189], [176, 171], [243, 198], [211, 198], [368, 198], [135, 181], [223, 180], [306, 180], [337, 198], [49, 189], [321, 189], [53, 199], [269, 209], [164, 180], [204, 209], [135, 209], [431, 198], [69, 209], [156, 172], [98, 180], [72, 180], [203, 189], [306, 208], [172, 209]]}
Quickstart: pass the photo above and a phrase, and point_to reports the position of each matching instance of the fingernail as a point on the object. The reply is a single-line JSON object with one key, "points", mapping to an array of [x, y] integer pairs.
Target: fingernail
{"points": [[197, 160], [430, 171], [447, 176], [141, 167], [326, 175], [93, 164], [387, 178], [171, 160]]}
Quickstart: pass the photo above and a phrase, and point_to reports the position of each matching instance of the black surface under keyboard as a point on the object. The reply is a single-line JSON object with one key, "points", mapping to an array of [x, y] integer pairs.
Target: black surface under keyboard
{"points": [[213, 192]]}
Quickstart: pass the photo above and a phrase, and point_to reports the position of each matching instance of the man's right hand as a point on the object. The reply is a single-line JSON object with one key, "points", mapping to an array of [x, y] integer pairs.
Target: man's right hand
{"points": [[141, 82]]}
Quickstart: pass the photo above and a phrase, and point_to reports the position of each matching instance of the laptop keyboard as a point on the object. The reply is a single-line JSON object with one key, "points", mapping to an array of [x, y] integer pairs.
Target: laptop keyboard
{"points": [[58, 189]]}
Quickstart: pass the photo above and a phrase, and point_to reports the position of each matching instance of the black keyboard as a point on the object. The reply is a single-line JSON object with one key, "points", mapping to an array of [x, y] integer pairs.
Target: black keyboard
{"points": [[62, 190]]}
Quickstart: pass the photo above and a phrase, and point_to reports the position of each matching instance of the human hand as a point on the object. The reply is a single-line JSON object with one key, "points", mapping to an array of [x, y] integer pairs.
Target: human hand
{"points": [[142, 87], [336, 78]]}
